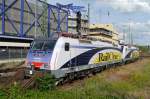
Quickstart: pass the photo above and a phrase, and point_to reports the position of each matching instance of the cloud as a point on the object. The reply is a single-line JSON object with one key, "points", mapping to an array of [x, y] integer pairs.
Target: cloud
{"points": [[140, 31], [137, 26], [128, 5]]}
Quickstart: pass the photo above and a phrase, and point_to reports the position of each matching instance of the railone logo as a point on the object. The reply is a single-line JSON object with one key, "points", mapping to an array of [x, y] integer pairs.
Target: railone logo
{"points": [[106, 56]]}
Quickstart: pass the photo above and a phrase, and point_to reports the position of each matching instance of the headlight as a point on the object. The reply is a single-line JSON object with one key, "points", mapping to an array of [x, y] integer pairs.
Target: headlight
{"points": [[45, 65]]}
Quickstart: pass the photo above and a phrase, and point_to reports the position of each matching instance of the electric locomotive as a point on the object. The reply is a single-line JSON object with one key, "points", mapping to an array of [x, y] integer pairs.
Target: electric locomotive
{"points": [[75, 56]]}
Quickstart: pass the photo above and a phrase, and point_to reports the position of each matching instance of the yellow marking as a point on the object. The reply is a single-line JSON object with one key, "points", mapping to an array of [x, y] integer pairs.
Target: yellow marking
{"points": [[135, 54], [107, 57]]}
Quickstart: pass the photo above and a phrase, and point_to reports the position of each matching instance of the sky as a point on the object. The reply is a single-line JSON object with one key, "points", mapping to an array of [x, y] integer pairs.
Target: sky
{"points": [[127, 16]]}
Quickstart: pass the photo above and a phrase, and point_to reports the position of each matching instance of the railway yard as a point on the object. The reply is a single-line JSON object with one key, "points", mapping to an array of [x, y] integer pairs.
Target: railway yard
{"points": [[64, 50], [14, 72], [128, 81]]}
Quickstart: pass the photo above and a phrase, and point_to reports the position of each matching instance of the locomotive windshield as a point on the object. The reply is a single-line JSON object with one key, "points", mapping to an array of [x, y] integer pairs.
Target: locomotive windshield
{"points": [[43, 45]]}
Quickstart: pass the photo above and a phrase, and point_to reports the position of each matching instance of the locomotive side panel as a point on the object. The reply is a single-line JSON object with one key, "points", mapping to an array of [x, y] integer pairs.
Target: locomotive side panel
{"points": [[97, 56]]}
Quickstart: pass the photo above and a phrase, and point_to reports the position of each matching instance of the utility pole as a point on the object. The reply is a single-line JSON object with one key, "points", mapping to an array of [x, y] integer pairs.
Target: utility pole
{"points": [[129, 33], [35, 34], [124, 38], [124, 31], [88, 13], [99, 15], [131, 39], [88, 17]]}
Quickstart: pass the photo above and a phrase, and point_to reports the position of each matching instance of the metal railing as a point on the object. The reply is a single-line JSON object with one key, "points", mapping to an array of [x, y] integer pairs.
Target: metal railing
{"points": [[13, 53]]}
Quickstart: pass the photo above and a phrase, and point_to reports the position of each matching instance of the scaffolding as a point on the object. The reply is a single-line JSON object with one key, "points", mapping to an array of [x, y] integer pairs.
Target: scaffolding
{"points": [[31, 19]]}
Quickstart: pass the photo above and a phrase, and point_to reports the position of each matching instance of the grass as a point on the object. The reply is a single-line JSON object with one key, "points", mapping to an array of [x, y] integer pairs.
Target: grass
{"points": [[110, 84]]}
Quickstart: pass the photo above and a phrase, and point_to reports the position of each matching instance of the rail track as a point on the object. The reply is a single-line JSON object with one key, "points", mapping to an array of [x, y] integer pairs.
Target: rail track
{"points": [[11, 70], [11, 76], [18, 75]]}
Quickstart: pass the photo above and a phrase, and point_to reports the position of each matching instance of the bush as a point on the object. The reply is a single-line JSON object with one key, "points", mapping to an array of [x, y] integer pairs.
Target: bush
{"points": [[47, 82], [15, 91], [3, 94]]}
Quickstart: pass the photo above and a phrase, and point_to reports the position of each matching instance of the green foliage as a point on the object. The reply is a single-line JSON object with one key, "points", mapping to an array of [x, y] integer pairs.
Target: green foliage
{"points": [[46, 83], [14, 90], [144, 49], [2, 94]]}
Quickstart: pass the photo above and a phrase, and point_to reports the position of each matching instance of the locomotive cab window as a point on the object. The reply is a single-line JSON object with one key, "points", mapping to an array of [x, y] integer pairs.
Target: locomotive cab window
{"points": [[67, 46], [44, 45]]}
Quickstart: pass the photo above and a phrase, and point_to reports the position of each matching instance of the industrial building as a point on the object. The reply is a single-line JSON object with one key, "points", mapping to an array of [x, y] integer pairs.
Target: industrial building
{"points": [[72, 23], [78, 18], [31, 18], [105, 32]]}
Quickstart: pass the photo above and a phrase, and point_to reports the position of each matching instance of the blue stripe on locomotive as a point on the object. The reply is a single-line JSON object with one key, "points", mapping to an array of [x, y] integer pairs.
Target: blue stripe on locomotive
{"points": [[129, 54], [84, 58]]}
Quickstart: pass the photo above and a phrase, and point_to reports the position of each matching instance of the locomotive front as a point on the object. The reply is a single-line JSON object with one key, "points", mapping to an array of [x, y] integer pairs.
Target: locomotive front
{"points": [[39, 56]]}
